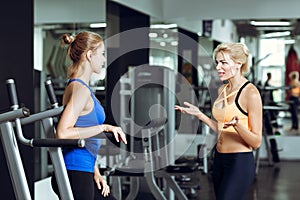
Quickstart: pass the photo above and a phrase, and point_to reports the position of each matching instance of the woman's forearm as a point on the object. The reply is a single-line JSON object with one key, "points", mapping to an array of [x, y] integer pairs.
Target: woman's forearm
{"points": [[252, 139], [208, 121]]}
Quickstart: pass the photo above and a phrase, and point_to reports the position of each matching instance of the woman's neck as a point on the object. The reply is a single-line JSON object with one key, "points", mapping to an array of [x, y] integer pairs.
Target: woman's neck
{"points": [[84, 74], [235, 83]]}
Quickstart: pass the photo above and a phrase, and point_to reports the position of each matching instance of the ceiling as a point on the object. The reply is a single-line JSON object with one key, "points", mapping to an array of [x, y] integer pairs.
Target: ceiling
{"points": [[187, 15], [245, 28]]}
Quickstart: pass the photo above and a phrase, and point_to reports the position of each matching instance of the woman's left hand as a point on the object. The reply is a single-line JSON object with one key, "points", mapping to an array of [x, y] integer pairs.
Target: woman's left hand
{"points": [[117, 131], [102, 185], [233, 122]]}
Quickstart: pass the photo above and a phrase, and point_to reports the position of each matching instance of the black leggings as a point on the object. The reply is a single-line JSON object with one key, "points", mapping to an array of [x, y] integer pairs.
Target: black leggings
{"points": [[233, 173], [294, 113], [83, 186]]}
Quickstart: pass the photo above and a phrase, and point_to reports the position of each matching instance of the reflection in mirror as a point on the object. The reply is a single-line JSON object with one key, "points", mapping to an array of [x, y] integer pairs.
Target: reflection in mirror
{"points": [[277, 47], [55, 57], [163, 46], [52, 19]]}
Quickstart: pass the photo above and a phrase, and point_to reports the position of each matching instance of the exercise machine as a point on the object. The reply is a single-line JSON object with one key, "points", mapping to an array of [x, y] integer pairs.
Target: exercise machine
{"points": [[11, 133], [270, 143], [145, 167], [147, 95]]}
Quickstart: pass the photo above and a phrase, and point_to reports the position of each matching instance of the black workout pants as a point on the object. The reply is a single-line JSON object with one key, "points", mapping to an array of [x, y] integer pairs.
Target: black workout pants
{"points": [[294, 111], [83, 186], [233, 173]]}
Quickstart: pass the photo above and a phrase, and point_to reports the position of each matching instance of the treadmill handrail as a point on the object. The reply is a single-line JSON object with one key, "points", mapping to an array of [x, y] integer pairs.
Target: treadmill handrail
{"points": [[42, 115], [50, 142], [12, 115]]}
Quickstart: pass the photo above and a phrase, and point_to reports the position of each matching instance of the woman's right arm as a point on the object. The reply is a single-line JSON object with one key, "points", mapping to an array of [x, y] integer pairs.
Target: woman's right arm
{"points": [[73, 107], [194, 110]]}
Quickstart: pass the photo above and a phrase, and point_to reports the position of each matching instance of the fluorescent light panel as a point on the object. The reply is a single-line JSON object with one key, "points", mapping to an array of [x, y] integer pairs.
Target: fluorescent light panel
{"points": [[275, 28], [163, 26], [290, 41], [98, 25], [276, 34], [270, 23]]}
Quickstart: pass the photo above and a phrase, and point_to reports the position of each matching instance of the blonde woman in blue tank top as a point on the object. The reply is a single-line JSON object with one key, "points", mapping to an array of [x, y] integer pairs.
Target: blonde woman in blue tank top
{"points": [[83, 117], [237, 118]]}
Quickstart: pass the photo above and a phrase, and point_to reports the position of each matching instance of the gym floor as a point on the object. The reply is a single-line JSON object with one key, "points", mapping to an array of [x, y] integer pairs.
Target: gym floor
{"points": [[277, 182]]}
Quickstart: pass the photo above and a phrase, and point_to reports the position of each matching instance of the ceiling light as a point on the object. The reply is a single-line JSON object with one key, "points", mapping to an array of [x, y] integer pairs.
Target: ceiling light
{"points": [[98, 25], [276, 34], [163, 26], [270, 23], [163, 44], [174, 43], [290, 41], [275, 28], [153, 35]]}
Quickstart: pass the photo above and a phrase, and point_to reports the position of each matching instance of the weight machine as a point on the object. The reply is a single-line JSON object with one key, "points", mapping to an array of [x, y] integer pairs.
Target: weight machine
{"points": [[147, 99], [268, 137]]}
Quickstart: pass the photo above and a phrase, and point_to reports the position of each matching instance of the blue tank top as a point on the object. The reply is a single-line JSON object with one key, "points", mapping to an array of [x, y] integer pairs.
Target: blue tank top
{"points": [[83, 159]]}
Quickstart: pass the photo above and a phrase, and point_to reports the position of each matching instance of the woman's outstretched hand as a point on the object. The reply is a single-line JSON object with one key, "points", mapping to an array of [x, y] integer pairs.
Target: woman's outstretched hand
{"points": [[189, 109]]}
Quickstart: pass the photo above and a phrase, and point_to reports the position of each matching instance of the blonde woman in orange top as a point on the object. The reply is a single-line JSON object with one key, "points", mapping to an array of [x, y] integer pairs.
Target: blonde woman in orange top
{"points": [[237, 119], [294, 99]]}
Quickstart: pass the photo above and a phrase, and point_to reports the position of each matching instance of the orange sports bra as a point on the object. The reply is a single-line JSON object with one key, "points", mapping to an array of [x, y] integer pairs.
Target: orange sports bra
{"points": [[295, 88], [224, 112]]}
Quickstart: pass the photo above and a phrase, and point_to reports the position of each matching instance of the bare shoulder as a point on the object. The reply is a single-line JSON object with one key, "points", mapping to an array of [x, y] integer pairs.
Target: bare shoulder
{"points": [[252, 93], [76, 91], [252, 89]]}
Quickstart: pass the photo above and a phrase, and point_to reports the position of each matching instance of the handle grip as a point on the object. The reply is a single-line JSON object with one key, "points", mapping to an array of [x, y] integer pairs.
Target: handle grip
{"points": [[155, 123], [108, 136], [12, 93], [50, 92], [57, 143], [105, 135]]}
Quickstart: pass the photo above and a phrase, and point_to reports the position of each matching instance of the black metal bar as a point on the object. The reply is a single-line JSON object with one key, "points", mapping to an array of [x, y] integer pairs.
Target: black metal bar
{"points": [[57, 142]]}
